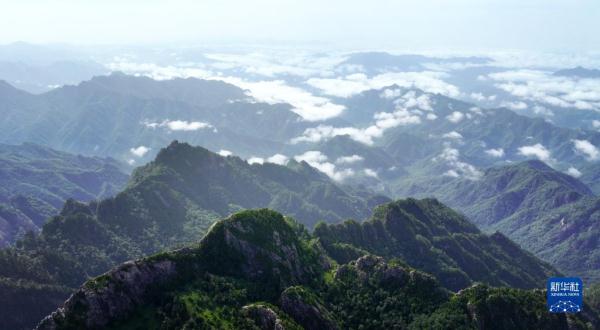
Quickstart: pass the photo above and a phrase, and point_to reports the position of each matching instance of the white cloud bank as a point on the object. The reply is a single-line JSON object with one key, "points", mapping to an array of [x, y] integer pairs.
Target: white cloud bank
{"points": [[536, 150], [320, 161], [178, 125], [458, 168], [225, 153], [455, 117], [544, 87], [140, 151], [572, 171], [454, 135], [305, 104], [428, 81], [496, 153], [255, 160], [278, 159], [349, 159], [383, 122], [586, 148], [409, 109]]}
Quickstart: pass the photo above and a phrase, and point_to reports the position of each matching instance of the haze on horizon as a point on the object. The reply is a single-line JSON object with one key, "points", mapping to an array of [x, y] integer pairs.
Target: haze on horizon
{"points": [[561, 25]]}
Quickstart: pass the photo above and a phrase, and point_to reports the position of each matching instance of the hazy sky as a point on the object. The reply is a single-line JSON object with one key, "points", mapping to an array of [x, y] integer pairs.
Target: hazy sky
{"points": [[550, 25]]}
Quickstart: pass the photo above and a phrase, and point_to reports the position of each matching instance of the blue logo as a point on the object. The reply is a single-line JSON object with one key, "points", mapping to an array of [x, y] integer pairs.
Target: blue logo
{"points": [[565, 295]]}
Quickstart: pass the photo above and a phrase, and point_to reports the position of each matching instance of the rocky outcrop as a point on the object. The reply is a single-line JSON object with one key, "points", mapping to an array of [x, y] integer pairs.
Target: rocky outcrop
{"points": [[264, 317], [306, 309], [110, 296]]}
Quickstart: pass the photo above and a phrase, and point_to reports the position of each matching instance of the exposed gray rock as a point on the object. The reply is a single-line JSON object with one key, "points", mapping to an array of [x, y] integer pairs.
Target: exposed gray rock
{"points": [[109, 296], [306, 309], [264, 317]]}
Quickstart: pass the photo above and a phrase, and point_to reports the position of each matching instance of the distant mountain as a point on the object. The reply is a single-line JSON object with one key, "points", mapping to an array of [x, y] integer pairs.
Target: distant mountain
{"points": [[432, 237], [169, 202], [547, 212], [381, 62], [175, 199], [40, 78], [259, 270], [35, 181], [474, 137], [108, 116], [579, 72]]}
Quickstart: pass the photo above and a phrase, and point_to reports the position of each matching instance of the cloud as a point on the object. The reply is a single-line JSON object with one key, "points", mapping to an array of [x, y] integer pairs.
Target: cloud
{"points": [[139, 151], [584, 147], [255, 160], [225, 153], [596, 124], [182, 125], [390, 93], [131, 161], [383, 122], [519, 105], [411, 100], [536, 150], [276, 63], [319, 161], [428, 81], [157, 72], [541, 110], [278, 159], [431, 116], [481, 98], [371, 173], [496, 153], [455, 117], [451, 157], [572, 171], [546, 88], [178, 125], [349, 159], [454, 135], [305, 104]]}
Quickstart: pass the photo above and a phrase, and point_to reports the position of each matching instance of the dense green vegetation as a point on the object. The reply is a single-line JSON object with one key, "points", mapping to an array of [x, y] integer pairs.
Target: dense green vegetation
{"points": [[432, 237], [107, 116], [35, 181], [168, 203], [247, 265], [259, 270], [549, 213]]}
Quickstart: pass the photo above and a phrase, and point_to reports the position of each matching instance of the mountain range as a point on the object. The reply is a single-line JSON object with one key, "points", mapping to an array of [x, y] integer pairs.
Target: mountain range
{"points": [[174, 200], [547, 212], [514, 177], [35, 181], [259, 270]]}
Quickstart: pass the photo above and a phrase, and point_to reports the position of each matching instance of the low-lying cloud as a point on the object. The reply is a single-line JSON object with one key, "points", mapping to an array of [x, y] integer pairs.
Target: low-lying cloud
{"points": [[428, 81], [457, 168], [140, 151], [537, 150], [587, 149], [544, 87], [178, 125], [320, 161]]}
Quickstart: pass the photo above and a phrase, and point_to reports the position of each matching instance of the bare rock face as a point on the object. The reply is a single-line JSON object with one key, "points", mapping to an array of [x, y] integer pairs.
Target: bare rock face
{"points": [[109, 296], [305, 308], [264, 317]]}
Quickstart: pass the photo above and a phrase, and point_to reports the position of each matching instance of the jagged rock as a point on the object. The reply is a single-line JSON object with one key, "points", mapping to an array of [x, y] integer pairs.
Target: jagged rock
{"points": [[306, 309], [109, 296], [264, 317]]}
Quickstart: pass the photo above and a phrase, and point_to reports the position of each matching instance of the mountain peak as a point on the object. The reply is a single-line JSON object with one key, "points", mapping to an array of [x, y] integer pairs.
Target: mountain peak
{"points": [[254, 245], [536, 164]]}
